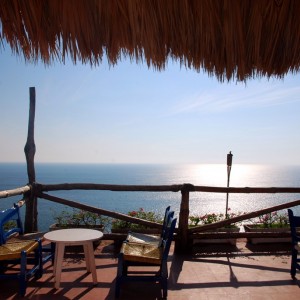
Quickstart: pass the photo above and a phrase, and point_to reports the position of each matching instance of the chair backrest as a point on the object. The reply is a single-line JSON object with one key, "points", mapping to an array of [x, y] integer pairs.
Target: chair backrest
{"points": [[168, 214], [294, 223], [167, 240], [10, 214]]}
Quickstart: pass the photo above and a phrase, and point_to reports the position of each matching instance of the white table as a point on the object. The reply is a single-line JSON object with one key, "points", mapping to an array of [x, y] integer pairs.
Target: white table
{"points": [[73, 237]]}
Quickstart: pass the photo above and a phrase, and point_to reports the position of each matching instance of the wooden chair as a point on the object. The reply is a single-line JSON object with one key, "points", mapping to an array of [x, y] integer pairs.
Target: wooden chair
{"points": [[135, 237], [294, 224], [16, 251], [146, 255]]}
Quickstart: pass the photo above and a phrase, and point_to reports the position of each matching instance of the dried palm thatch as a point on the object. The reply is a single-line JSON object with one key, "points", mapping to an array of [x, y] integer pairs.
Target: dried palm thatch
{"points": [[227, 38]]}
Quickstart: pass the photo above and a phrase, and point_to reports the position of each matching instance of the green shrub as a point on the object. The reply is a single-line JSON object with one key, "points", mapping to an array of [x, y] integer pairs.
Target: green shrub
{"points": [[140, 214], [77, 218]]}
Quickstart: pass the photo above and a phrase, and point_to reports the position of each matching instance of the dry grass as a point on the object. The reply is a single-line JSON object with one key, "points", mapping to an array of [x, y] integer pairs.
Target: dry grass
{"points": [[231, 39]]}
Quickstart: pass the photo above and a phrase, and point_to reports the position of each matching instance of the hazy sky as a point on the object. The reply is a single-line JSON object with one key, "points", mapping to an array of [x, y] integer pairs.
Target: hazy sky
{"points": [[132, 114]]}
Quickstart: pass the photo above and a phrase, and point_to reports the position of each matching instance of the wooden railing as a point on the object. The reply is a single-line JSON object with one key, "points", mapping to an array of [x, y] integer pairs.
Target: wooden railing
{"points": [[184, 234]]}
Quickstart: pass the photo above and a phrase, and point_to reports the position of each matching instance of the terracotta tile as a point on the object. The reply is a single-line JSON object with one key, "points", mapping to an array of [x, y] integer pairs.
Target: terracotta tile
{"points": [[241, 274]]}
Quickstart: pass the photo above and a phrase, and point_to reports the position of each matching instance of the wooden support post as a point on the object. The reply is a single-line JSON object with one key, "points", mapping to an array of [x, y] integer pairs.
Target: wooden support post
{"points": [[182, 242], [29, 149]]}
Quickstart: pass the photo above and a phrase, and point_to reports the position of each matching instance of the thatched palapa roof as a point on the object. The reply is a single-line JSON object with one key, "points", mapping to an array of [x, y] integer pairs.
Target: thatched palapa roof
{"points": [[232, 39]]}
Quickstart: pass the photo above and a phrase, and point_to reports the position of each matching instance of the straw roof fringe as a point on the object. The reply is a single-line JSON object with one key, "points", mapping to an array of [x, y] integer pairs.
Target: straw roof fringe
{"points": [[231, 39]]}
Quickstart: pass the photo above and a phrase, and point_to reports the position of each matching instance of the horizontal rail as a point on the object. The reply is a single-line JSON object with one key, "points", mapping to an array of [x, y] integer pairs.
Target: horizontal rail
{"points": [[235, 235], [15, 192], [147, 188], [109, 187], [247, 190], [165, 188], [213, 235]]}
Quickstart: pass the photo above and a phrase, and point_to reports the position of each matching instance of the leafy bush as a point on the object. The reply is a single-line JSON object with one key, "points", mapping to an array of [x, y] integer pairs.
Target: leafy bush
{"points": [[272, 220], [77, 218], [140, 214], [196, 220]]}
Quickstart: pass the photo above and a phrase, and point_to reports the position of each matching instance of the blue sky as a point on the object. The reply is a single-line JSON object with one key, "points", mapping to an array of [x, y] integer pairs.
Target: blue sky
{"points": [[131, 114]]}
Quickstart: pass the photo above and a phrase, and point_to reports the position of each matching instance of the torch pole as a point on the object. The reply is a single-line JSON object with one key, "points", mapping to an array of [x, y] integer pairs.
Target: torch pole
{"points": [[229, 164]]}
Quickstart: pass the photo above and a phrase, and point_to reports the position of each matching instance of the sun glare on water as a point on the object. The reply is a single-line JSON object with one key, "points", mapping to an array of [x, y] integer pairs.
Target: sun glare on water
{"points": [[216, 175], [241, 175]]}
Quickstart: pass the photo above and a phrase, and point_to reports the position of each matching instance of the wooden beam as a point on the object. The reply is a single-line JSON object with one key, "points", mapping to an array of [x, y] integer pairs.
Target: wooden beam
{"points": [[15, 192], [109, 187], [29, 149], [182, 242], [98, 210], [243, 217], [235, 235]]}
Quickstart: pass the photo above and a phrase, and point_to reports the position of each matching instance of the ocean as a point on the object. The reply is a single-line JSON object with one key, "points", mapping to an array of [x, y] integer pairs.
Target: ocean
{"points": [[13, 175]]}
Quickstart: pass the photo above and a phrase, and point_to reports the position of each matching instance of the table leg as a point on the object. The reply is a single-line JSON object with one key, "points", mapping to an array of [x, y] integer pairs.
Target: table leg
{"points": [[87, 257], [91, 259], [60, 247], [55, 260]]}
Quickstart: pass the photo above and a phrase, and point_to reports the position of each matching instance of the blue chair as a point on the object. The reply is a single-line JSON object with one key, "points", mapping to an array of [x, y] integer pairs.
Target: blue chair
{"points": [[15, 251], [135, 237], [145, 255], [294, 224]]}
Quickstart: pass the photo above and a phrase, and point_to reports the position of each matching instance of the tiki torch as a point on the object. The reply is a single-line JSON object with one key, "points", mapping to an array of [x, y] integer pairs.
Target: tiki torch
{"points": [[229, 164]]}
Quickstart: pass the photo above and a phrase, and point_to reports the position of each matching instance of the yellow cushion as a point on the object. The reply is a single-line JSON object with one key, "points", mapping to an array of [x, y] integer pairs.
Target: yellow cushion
{"points": [[12, 250], [141, 238], [142, 253]]}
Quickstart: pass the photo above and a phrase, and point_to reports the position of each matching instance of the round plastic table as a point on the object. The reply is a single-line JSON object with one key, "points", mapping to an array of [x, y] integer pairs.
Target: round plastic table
{"points": [[73, 237]]}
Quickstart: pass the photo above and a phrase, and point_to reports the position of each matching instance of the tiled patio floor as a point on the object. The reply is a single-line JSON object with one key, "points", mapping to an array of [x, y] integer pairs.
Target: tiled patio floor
{"points": [[210, 272]]}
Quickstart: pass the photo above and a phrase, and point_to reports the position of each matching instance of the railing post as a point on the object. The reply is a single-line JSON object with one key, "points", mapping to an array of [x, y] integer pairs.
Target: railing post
{"points": [[29, 149], [182, 241]]}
